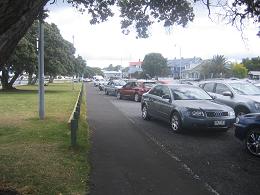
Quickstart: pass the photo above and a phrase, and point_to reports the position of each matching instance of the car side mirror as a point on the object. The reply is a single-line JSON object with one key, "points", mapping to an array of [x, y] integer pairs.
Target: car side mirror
{"points": [[227, 93], [166, 97]]}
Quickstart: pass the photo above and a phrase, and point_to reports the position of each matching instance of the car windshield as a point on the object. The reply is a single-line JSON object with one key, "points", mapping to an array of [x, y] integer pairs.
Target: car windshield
{"points": [[120, 83], [245, 88], [189, 93]]}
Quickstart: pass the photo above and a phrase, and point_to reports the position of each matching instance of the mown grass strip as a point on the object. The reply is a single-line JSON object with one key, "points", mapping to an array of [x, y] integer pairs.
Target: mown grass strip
{"points": [[35, 155]]}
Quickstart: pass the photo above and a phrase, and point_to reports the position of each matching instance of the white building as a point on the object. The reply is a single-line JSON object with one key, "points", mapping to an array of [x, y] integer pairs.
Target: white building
{"points": [[112, 74], [254, 75]]}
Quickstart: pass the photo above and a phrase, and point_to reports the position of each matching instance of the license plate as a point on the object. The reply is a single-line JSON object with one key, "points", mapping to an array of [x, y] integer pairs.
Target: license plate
{"points": [[219, 123]]}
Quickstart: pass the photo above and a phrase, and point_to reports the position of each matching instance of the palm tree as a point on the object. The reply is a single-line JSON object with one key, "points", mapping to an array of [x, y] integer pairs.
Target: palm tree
{"points": [[217, 66]]}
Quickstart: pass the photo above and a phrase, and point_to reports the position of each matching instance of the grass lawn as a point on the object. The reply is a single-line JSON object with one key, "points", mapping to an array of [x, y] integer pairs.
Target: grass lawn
{"points": [[35, 155]]}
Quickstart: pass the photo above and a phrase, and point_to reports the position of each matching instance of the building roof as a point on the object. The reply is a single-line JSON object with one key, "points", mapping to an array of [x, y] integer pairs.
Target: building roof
{"points": [[139, 63], [254, 72], [184, 61], [198, 67], [112, 72]]}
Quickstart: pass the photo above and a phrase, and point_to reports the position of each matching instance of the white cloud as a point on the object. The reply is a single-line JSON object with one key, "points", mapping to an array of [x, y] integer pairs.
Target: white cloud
{"points": [[104, 44]]}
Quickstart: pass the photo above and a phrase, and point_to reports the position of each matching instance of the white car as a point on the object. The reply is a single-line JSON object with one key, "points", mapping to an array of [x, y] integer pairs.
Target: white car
{"points": [[257, 84], [102, 83]]}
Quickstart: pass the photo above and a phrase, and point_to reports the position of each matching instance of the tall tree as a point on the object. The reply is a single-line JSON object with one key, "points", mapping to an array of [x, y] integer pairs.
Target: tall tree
{"points": [[80, 66], [215, 68], [59, 57], [218, 66], [23, 59], [17, 16], [155, 65], [252, 64]]}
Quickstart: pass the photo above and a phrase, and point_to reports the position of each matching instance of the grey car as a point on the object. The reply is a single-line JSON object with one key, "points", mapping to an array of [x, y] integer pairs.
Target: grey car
{"points": [[242, 96], [112, 87], [186, 107]]}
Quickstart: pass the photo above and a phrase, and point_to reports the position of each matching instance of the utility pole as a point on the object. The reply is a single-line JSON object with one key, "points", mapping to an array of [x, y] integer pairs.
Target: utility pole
{"points": [[73, 75], [180, 63], [41, 67]]}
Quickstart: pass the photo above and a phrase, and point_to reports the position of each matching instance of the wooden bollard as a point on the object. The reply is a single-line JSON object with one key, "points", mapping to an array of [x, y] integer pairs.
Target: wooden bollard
{"points": [[74, 128]]}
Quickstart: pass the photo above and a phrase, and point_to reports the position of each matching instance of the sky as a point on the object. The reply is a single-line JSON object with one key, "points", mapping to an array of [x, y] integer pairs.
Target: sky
{"points": [[104, 44]]}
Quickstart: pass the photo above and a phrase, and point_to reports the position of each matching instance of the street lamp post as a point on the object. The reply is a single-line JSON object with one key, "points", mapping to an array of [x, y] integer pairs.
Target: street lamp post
{"points": [[41, 68], [180, 63]]}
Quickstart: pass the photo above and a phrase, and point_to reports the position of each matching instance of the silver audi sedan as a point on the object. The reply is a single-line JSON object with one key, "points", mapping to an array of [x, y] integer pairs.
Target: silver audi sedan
{"points": [[186, 107]]}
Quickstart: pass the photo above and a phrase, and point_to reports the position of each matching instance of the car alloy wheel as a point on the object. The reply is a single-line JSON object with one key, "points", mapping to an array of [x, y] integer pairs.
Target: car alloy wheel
{"points": [[145, 114], [118, 95], [175, 122], [136, 97], [253, 142]]}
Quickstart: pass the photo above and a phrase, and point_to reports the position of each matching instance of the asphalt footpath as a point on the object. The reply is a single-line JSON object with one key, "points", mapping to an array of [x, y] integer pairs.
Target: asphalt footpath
{"points": [[125, 162]]}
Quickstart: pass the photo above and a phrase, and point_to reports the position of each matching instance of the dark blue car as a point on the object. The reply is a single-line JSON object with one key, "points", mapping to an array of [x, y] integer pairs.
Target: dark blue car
{"points": [[247, 128]]}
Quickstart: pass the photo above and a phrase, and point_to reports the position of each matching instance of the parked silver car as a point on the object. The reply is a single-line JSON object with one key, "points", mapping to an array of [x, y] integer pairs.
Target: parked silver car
{"points": [[186, 107], [112, 87], [242, 96]]}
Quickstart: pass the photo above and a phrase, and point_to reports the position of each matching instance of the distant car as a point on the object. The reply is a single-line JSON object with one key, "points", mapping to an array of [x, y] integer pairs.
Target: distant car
{"points": [[247, 128], [101, 84], [112, 87], [186, 107], [242, 96], [95, 82], [257, 84], [135, 89], [87, 80]]}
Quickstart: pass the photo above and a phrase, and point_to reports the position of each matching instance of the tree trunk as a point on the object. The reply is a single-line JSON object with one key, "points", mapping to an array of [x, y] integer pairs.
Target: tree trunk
{"points": [[4, 80], [16, 16], [34, 80], [16, 75], [51, 79], [30, 78]]}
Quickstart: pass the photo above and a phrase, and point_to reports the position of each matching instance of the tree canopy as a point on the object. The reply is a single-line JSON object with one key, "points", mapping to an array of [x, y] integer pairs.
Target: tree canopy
{"points": [[155, 65], [58, 56], [17, 16], [252, 64], [239, 70], [113, 68], [216, 67]]}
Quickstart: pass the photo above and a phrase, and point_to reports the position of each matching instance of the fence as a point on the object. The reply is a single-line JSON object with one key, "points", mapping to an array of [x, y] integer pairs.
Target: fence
{"points": [[74, 118]]}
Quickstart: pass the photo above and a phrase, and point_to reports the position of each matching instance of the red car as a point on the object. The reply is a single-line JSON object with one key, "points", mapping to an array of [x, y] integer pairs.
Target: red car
{"points": [[135, 89]]}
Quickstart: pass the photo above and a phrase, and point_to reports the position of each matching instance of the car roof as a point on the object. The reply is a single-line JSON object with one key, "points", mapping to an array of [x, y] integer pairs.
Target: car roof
{"points": [[179, 85], [148, 81], [224, 81]]}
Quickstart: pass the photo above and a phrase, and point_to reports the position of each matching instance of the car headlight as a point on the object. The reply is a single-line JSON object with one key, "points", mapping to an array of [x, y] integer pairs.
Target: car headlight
{"points": [[232, 113], [257, 105], [197, 113], [237, 120]]}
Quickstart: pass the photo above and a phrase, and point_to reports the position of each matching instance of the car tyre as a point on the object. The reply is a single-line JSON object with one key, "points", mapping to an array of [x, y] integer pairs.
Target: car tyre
{"points": [[252, 142], [175, 121], [118, 95], [145, 114], [137, 97]]}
